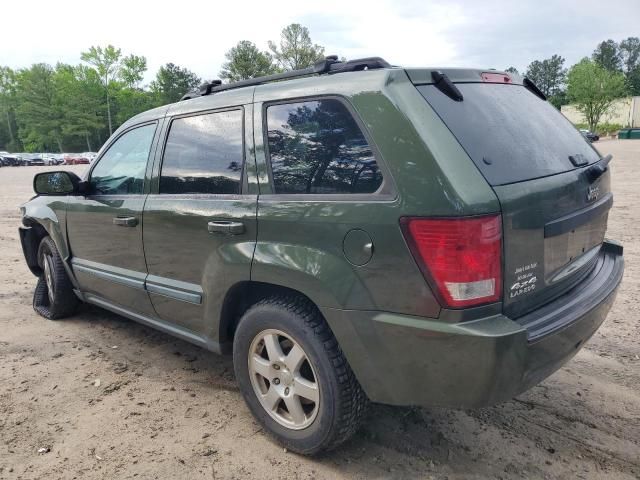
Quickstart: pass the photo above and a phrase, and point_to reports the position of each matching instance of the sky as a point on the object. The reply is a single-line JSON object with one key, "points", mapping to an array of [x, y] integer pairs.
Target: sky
{"points": [[196, 34]]}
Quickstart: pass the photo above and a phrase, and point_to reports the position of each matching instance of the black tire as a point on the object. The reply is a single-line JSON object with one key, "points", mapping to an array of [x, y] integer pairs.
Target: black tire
{"points": [[61, 301], [342, 402]]}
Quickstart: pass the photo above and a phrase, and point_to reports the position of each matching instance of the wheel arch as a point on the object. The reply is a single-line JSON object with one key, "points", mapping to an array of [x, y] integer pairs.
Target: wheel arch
{"points": [[240, 297], [31, 235], [41, 217]]}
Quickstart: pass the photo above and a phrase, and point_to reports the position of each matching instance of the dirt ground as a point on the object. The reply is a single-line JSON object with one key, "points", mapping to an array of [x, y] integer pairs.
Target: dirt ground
{"points": [[107, 398]]}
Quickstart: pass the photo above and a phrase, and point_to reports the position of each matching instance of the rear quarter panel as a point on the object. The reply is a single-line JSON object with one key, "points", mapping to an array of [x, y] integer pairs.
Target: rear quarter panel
{"points": [[300, 237]]}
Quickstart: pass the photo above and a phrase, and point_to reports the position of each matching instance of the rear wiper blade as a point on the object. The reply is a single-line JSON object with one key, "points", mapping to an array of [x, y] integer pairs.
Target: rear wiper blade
{"points": [[596, 170]]}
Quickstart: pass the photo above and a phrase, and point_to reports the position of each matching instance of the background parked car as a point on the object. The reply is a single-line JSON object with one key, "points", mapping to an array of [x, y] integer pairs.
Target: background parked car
{"points": [[24, 158], [32, 159], [91, 156], [75, 159], [52, 159], [10, 159]]}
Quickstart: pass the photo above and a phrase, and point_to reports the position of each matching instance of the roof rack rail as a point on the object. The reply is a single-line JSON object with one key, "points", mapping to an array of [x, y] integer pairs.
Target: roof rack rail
{"points": [[327, 65]]}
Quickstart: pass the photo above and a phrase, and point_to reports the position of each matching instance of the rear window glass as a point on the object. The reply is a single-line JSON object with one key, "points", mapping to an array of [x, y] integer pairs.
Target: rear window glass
{"points": [[509, 133]]}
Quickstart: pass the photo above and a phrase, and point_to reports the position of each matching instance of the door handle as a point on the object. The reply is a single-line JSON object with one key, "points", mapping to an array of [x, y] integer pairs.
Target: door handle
{"points": [[227, 227], [125, 221]]}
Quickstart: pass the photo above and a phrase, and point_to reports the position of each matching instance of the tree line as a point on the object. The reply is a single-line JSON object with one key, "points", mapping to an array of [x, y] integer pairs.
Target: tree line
{"points": [[66, 107], [612, 71], [77, 107]]}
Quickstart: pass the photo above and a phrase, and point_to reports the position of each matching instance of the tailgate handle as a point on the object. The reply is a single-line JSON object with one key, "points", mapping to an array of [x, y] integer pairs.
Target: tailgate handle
{"points": [[225, 226], [573, 220], [125, 221]]}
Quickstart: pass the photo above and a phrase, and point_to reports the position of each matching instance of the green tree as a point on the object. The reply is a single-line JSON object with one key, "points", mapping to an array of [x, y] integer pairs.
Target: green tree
{"points": [[633, 81], [607, 55], [630, 52], [132, 70], [7, 108], [79, 98], [296, 50], [107, 63], [593, 89], [246, 61], [549, 75], [172, 82], [559, 99], [512, 70], [132, 101], [37, 110]]}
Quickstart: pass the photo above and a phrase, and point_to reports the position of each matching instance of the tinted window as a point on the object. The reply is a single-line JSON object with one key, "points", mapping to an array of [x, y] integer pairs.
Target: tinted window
{"points": [[509, 133], [120, 171], [204, 154], [317, 147]]}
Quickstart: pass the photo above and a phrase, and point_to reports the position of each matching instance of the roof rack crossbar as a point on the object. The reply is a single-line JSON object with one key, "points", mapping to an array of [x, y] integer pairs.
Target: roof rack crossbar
{"points": [[327, 65]]}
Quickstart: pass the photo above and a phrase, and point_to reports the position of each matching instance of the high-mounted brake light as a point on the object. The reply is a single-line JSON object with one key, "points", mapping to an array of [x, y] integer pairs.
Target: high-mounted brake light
{"points": [[495, 77], [460, 257]]}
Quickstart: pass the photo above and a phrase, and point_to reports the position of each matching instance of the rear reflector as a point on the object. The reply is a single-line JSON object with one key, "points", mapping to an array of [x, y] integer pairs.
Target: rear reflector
{"points": [[495, 77], [460, 257]]}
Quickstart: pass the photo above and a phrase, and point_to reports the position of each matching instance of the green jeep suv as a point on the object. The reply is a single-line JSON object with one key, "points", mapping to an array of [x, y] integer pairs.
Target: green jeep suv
{"points": [[348, 232]]}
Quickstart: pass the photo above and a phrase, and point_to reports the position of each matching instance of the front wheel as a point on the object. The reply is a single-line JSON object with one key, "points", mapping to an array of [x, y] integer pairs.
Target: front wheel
{"points": [[294, 377], [54, 297]]}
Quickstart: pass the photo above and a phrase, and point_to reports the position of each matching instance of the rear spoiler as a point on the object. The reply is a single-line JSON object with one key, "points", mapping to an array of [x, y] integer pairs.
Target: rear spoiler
{"points": [[424, 76], [446, 78]]}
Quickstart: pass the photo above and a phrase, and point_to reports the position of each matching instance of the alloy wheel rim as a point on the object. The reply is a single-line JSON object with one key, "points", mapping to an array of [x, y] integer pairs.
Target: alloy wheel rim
{"points": [[284, 379], [48, 277]]}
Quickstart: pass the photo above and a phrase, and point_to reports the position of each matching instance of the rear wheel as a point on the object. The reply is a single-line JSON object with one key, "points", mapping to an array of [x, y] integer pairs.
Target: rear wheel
{"points": [[294, 377], [53, 297], [283, 379]]}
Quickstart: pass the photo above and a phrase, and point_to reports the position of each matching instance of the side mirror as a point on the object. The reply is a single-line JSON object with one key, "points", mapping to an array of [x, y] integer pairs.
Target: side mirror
{"points": [[57, 183]]}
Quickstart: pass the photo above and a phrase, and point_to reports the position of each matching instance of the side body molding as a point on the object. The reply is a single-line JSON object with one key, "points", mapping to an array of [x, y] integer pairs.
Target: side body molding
{"points": [[183, 291]]}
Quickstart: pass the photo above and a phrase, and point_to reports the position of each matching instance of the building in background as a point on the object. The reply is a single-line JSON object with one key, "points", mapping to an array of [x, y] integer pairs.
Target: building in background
{"points": [[624, 111]]}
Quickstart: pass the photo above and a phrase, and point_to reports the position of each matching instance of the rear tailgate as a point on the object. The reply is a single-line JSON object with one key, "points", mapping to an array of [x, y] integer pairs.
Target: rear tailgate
{"points": [[554, 213], [552, 234]]}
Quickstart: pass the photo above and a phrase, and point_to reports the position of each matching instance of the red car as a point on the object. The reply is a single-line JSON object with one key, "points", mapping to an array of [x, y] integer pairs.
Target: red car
{"points": [[72, 159]]}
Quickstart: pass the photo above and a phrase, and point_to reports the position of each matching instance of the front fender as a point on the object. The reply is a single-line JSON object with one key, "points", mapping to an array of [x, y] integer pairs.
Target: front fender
{"points": [[44, 216]]}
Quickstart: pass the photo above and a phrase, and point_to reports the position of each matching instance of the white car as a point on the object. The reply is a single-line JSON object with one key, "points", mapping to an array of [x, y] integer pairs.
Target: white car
{"points": [[49, 159], [91, 156]]}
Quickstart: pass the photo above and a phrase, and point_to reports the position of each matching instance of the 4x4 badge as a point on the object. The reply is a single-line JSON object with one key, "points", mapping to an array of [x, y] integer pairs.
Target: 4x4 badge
{"points": [[523, 286], [592, 193]]}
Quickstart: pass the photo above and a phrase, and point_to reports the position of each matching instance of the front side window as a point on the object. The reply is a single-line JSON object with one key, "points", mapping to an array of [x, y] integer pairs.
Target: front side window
{"points": [[120, 171], [204, 154], [316, 147]]}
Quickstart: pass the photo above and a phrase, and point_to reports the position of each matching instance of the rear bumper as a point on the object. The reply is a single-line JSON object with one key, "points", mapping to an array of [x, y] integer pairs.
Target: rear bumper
{"points": [[404, 360]]}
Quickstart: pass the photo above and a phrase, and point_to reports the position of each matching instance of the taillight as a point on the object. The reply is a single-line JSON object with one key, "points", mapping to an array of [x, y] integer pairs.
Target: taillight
{"points": [[461, 257]]}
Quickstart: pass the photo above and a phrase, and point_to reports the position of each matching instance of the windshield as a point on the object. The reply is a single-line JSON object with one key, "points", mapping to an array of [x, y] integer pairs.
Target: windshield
{"points": [[510, 134]]}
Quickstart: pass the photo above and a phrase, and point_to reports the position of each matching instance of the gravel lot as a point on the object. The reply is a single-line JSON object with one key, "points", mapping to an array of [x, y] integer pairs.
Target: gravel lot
{"points": [[165, 409]]}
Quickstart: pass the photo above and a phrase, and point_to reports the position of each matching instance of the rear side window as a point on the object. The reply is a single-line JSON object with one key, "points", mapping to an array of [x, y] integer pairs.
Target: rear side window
{"points": [[509, 133], [316, 147], [204, 154]]}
